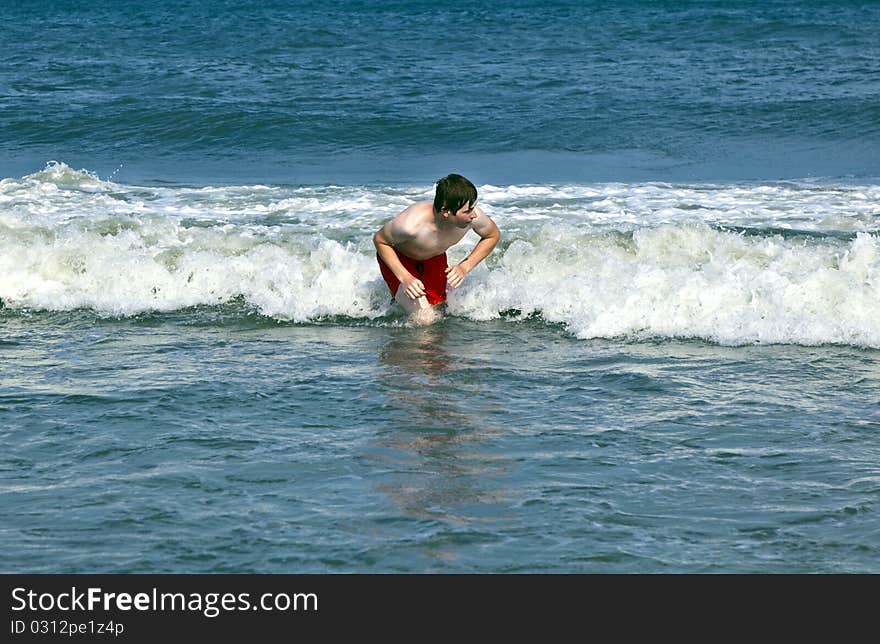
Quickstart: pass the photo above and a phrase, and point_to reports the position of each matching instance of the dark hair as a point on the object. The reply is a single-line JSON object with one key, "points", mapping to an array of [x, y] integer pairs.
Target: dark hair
{"points": [[454, 191]]}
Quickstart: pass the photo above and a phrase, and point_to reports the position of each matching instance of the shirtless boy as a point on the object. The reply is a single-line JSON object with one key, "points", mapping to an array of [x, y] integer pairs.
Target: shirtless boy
{"points": [[411, 248]]}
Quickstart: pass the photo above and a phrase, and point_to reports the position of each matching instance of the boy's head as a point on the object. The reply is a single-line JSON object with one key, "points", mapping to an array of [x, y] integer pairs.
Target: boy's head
{"points": [[453, 192]]}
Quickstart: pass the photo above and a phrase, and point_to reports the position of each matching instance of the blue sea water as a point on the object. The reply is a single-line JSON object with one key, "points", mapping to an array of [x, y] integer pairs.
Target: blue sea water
{"points": [[669, 364], [317, 91]]}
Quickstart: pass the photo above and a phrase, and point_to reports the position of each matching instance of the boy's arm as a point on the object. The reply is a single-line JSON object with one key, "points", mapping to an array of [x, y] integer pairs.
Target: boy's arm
{"points": [[384, 240], [490, 235]]}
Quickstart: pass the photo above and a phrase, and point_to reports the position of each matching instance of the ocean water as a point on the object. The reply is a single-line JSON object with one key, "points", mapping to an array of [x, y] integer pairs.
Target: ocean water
{"points": [[669, 364]]}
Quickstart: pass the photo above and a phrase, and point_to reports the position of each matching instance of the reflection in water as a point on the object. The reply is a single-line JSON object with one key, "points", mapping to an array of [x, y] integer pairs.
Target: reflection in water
{"points": [[436, 433], [419, 377]]}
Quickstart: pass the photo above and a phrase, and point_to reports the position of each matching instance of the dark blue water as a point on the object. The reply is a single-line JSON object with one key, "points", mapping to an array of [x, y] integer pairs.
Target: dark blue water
{"points": [[201, 443], [670, 364], [401, 91]]}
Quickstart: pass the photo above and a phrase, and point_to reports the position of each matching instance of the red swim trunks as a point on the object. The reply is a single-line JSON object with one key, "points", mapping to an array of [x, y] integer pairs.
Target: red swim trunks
{"points": [[431, 271]]}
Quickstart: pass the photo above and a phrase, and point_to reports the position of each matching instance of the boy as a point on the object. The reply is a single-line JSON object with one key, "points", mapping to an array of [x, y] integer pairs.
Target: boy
{"points": [[411, 248]]}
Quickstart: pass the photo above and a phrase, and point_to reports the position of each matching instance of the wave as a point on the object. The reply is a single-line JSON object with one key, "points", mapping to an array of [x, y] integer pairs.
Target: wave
{"points": [[733, 264], [690, 281]]}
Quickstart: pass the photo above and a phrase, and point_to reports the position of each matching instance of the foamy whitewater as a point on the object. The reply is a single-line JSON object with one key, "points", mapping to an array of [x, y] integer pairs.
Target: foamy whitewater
{"points": [[791, 263]]}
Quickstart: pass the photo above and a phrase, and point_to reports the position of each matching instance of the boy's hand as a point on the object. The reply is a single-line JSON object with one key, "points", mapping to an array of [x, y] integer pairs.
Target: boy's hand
{"points": [[455, 275], [414, 288]]}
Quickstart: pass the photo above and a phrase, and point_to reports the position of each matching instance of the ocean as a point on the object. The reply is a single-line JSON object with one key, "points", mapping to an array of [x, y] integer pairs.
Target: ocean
{"points": [[670, 363]]}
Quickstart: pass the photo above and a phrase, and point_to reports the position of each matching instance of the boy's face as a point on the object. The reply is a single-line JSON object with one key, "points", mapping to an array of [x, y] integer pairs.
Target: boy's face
{"points": [[465, 215]]}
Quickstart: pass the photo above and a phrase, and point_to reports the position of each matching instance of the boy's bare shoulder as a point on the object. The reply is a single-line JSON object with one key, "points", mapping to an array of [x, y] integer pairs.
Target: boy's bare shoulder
{"points": [[415, 216], [420, 209]]}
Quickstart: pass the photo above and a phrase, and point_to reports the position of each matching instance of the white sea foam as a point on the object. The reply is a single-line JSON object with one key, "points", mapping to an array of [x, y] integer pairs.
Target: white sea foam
{"points": [[788, 263], [688, 281], [161, 265]]}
